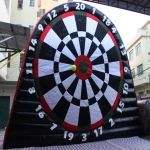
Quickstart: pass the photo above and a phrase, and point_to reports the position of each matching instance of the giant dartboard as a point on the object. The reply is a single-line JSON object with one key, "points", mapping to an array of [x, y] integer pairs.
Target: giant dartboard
{"points": [[77, 68], [75, 85]]}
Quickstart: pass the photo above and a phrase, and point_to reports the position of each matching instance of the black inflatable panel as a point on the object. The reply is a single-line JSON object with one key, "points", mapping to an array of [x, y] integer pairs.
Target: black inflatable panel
{"points": [[75, 85]]}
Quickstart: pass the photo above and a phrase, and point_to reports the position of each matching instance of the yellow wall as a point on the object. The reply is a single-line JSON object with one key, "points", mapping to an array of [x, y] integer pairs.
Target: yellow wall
{"points": [[50, 4]]}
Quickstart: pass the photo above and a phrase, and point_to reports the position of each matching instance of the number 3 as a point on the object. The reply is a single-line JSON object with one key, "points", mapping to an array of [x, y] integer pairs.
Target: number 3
{"points": [[84, 137]]}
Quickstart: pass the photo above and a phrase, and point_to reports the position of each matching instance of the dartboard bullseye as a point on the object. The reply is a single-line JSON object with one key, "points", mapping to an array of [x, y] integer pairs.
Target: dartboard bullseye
{"points": [[83, 67], [78, 71]]}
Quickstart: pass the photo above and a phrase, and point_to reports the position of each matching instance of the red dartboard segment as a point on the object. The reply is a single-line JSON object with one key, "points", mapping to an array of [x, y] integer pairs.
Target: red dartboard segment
{"points": [[45, 105], [97, 124], [93, 17], [35, 71], [116, 102], [112, 37], [70, 127], [47, 29], [121, 69], [67, 14]]}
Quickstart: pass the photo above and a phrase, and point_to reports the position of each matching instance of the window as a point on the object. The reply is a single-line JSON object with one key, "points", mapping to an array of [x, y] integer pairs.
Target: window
{"points": [[20, 4], [4, 53], [140, 70], [70, 0], [31, 28], [138, 49], [8, 65], [39, 3], [41, 13], [55, 0], [133, 73], [32, 3], [21, 58], [141, 93], [131, 55], [148, 91]]}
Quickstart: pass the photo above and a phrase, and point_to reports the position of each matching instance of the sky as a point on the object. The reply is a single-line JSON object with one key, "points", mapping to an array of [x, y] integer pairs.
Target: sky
{"points": [[126, 22]]}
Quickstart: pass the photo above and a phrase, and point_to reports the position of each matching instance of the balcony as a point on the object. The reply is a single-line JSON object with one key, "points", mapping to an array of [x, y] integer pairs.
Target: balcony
{"points": [[141, 80]]}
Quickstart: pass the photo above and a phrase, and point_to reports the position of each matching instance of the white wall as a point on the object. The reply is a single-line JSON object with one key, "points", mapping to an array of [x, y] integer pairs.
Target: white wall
{"points": [[8, 91], [3, 12], [25, 16], [3, 18]]}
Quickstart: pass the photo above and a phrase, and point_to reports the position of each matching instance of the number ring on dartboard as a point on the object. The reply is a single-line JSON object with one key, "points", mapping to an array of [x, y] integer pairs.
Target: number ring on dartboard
{"points": [[78, 71]]}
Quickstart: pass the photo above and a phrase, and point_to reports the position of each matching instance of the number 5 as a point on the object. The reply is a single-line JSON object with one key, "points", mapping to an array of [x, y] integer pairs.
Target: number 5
{"points": [[66, 8]]}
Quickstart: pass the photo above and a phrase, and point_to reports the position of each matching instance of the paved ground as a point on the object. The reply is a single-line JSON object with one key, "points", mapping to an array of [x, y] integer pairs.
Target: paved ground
{"points": [[145, 141]]}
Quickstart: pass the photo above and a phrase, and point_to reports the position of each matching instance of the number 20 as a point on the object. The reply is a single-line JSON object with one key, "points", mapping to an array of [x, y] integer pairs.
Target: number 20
{"points": [[80, 6]]}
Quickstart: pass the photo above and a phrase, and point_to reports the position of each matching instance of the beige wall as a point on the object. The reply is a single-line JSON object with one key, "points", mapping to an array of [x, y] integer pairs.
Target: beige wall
{"points": [[47, 5], [50, 4]]}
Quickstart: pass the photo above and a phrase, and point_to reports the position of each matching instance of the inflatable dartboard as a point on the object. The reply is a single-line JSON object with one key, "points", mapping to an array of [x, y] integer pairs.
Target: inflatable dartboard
{"points": [[76, 84], [77, 68]]}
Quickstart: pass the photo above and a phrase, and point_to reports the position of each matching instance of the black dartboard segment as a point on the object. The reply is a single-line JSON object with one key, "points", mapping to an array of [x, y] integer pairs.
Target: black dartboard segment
{"points": [[75, 85]]}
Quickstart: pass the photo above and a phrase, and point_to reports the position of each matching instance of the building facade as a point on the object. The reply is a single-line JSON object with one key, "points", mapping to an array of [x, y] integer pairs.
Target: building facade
{"points": [[4, 97], [4, 17], [27, 13], [46, 5], [22, 13], [138, 51]]}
